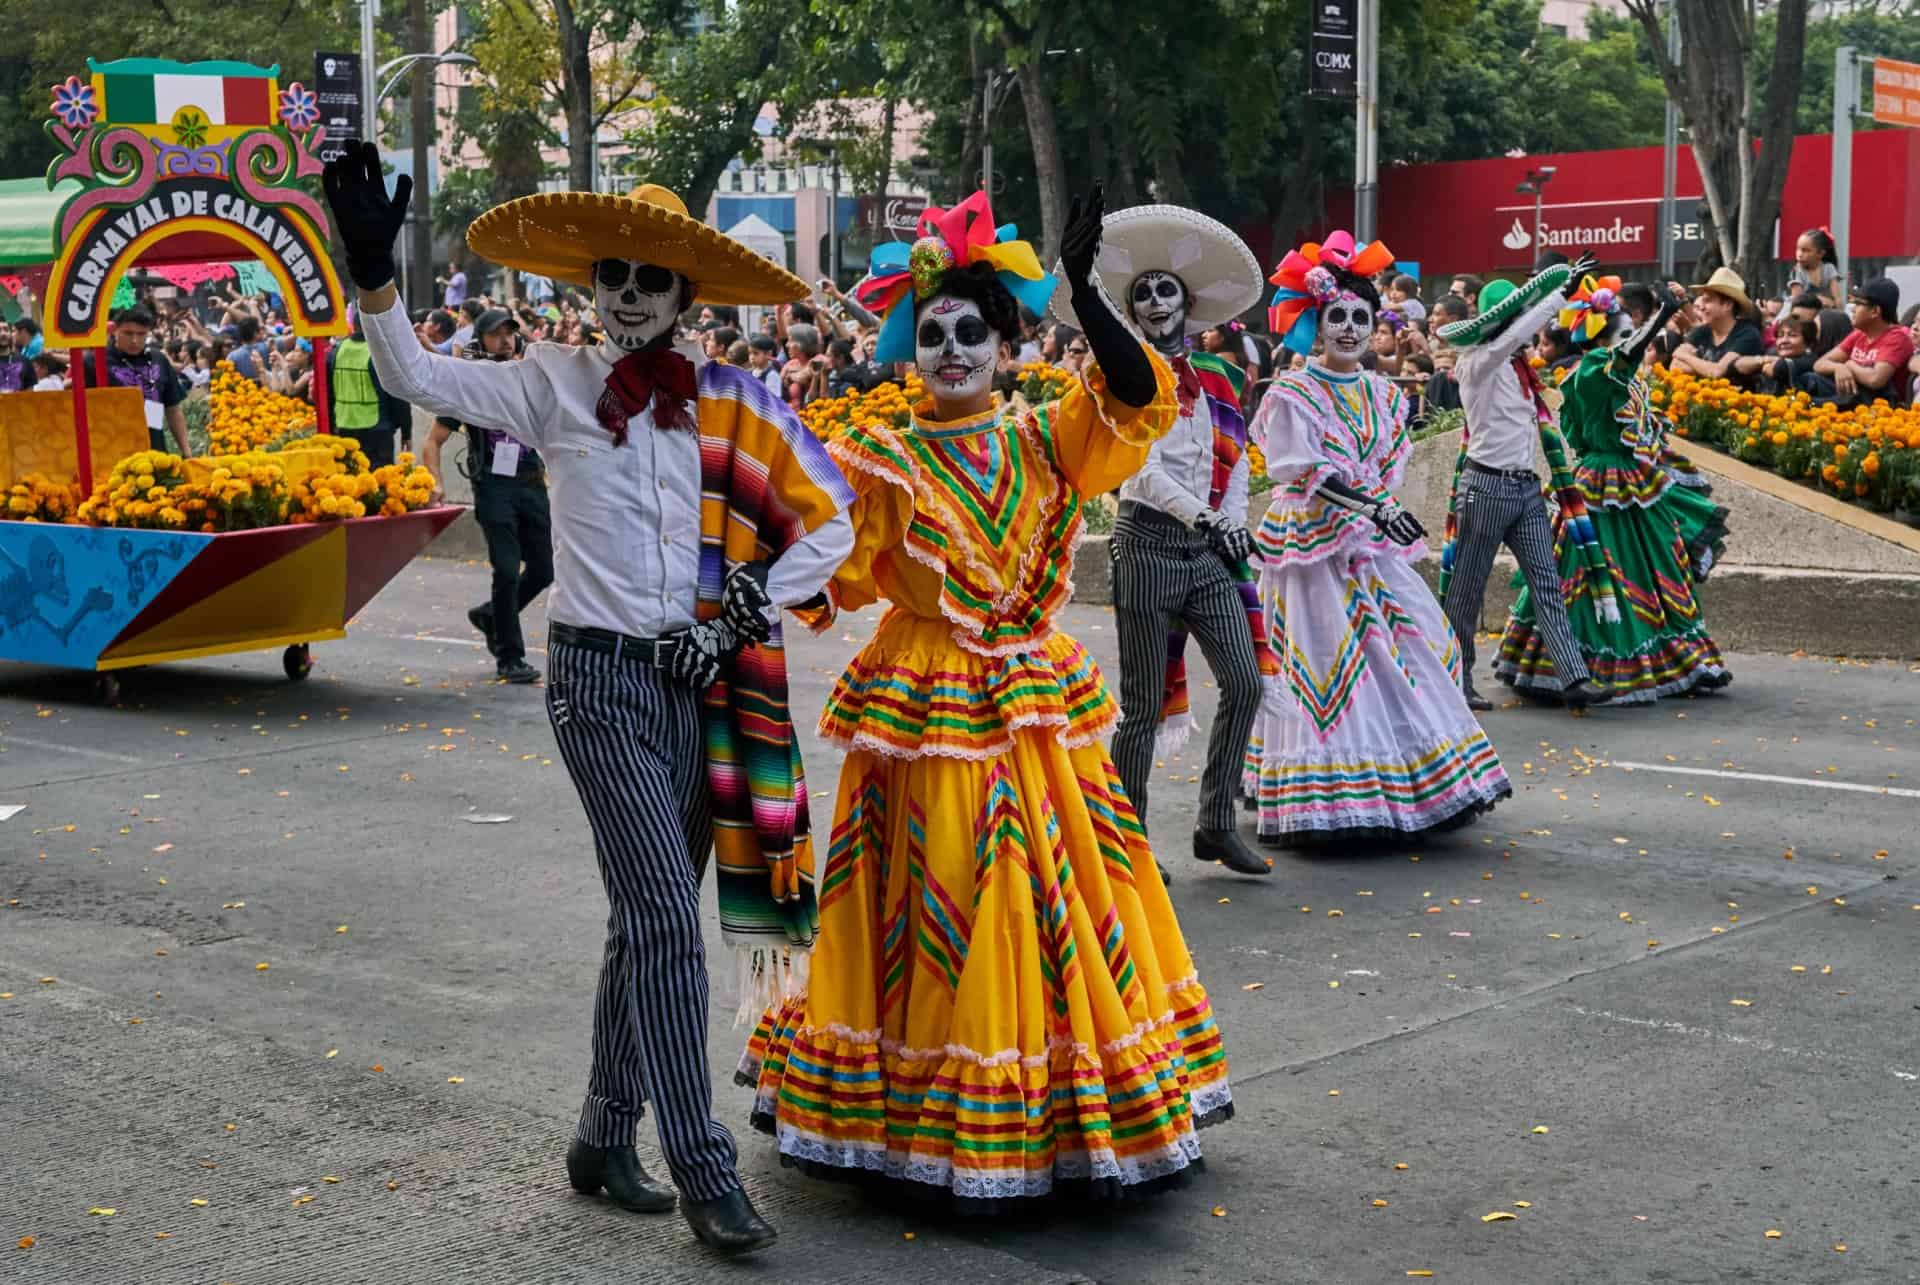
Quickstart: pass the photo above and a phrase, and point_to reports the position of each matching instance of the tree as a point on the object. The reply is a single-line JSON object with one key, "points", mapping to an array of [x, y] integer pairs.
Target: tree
{"points": [[710, 77], [577, 52], [49, 40], [1887, 30], [1714, 85]]}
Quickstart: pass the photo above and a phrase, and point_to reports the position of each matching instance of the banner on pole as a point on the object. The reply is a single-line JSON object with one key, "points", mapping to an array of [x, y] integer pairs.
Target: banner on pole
{"points": [[1896, 92], [1333, 49], [336, 84]]}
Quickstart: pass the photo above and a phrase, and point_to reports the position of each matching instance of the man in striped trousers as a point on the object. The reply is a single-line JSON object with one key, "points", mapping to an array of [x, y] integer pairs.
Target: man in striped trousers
{"points": [[654, 591], [1497, 494], [1181, 533]]}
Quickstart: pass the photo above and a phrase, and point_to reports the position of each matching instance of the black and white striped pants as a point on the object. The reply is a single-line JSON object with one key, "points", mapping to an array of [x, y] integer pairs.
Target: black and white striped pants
{"points": [[1163, 570], [1492, 510], [630, 736]]}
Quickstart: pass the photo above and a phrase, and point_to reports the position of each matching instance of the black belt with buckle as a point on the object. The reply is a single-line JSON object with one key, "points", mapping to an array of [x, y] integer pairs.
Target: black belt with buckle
{"points": [[1514, 473], [657, 652]]}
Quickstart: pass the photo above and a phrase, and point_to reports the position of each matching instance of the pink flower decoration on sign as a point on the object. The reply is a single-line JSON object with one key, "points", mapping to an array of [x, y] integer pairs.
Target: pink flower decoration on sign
{"points": [[299, 109], [74, 104]]}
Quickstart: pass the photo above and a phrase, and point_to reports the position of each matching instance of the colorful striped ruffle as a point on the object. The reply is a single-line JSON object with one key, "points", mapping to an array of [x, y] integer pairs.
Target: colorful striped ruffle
{"points": [[1615, 487], [1305, 799], [910, 692], [991, 1126], [1671, 665]]}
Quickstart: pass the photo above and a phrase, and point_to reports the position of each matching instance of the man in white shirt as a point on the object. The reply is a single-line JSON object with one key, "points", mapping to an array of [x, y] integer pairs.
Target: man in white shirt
{"points": [[653, 594], [1497, 494], [1180, 544]]}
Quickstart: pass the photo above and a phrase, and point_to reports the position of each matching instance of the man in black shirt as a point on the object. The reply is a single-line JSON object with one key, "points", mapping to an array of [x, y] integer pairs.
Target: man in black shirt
{"points": [[131, 365], [510, 504], [1713, 348]]}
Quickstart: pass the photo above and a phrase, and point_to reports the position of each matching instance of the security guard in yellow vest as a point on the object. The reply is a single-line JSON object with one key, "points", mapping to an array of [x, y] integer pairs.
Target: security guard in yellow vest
{"points": [[361, 408]]}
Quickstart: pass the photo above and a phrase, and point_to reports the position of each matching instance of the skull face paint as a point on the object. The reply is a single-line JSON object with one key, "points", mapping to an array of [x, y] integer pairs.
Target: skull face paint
{"points": [[1346, 328], [1158, 303], [954, 348], [637, 302]]}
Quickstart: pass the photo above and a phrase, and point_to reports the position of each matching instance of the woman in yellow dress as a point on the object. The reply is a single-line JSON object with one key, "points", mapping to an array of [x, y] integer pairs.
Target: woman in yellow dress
{"points": [[1000, 1006]]}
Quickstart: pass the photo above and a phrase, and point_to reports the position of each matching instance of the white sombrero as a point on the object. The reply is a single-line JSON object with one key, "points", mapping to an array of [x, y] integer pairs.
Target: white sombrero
{"points": [[1221, 273]]}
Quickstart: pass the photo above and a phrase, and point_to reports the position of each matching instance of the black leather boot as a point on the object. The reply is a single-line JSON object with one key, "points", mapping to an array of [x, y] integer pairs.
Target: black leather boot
{"points": [[1586, 692], [728, 1225], [619, 1171], [1230, 850]]}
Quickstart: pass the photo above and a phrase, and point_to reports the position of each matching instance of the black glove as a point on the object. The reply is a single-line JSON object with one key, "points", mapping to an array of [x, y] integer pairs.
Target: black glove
{"points": [[1583, 265], [364, 218], [1116, 349], [744, 603], [1396, 523], [700, 651], [1232, 543]]}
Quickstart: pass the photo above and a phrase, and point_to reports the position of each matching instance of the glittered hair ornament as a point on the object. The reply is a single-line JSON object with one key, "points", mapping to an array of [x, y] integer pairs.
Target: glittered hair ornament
{"points": [[948, 240], [1305, 281], [1590, 307]]}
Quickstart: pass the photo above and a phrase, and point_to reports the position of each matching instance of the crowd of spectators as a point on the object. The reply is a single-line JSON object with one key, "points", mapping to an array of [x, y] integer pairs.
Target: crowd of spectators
{"points": [[1835, 346]]}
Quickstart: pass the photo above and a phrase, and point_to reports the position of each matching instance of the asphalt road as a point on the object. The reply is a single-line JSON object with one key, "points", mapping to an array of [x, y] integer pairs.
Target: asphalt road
{"points": [[281, 946]]}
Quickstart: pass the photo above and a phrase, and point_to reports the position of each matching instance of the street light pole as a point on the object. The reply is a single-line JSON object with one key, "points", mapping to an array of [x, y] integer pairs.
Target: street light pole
{"points": [[1669, 160], [369, 101], [986, 135], [420, 278], [1846, 101], [1366, 125], [833, 219]]}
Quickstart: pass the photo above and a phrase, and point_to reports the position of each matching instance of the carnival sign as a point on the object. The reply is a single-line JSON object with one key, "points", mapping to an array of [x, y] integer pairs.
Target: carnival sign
{"points": [[108, 236], [162, 148]]}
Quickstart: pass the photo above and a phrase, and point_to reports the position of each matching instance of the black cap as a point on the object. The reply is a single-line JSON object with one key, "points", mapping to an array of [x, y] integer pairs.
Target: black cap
{"points": [[1883, 294], [492, 319]]}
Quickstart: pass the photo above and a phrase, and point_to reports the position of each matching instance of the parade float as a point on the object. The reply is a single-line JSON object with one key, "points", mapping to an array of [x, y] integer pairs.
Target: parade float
{"points": [[113, 555]]}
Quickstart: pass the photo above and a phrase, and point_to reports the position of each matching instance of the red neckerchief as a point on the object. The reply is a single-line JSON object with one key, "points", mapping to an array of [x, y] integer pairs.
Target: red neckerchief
{"points": [[1531, 386], [657, 375], [1187, 389]]}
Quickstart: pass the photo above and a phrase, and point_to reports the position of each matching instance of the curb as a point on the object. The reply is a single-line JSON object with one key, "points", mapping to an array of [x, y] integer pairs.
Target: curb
{"points": [[1748, 608]]}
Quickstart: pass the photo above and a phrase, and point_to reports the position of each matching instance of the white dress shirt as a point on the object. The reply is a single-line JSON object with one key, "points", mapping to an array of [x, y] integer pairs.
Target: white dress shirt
{"points": [[1178, 475], [626, 520], [1503, 426]]}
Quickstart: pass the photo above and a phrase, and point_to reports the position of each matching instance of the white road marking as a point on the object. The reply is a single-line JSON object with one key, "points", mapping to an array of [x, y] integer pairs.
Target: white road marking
{"points": [[81, 750], [1701, 1032], [1892, 791], [435, 638]]}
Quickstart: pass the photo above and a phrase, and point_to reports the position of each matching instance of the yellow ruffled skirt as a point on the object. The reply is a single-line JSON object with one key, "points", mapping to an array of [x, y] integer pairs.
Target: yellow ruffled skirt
{"points": [[1001, 1005]]}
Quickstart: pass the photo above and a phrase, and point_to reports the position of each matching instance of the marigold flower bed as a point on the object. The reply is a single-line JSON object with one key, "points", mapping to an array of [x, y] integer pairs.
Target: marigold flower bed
{"points": [[1870, 454]]}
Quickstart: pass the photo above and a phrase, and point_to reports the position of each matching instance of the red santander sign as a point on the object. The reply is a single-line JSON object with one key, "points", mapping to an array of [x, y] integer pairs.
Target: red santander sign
{"points": [[1615, 231]]}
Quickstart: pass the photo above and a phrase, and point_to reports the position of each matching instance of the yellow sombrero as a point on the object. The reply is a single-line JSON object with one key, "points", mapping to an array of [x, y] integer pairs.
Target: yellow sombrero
{"points": [[561, 234]]}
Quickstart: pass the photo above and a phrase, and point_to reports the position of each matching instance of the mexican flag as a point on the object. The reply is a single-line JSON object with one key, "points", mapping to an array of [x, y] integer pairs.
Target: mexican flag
{"points": [[146, 91]]}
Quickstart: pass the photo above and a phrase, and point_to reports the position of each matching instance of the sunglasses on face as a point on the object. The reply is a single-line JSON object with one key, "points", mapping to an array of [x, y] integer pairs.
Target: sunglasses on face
{"points": [[1165, 287], [970, 331], [647, 278], [1078, 351]]}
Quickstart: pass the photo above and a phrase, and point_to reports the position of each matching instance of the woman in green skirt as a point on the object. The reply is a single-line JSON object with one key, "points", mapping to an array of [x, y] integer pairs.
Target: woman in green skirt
{"points": [[1637, 620]]}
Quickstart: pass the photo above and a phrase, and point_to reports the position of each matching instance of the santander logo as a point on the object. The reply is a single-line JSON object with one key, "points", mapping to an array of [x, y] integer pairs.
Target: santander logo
{"points": [[1597, 231]]}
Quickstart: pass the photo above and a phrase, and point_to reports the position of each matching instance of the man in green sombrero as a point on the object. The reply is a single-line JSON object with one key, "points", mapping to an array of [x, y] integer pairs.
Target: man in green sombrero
{"points": [[1496, 493]]}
